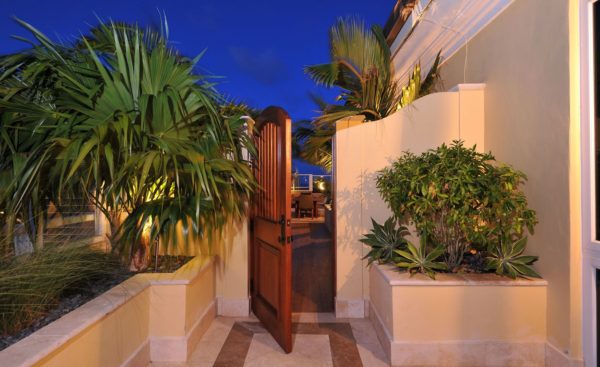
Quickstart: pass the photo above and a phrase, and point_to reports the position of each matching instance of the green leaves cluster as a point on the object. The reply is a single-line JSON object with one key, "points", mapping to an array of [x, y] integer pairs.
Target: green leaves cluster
{"points": [[415, 88], [121, 118], [421, 259], [388, 244], [460, 199], [384, 240], [508, 259], [361, 68]]}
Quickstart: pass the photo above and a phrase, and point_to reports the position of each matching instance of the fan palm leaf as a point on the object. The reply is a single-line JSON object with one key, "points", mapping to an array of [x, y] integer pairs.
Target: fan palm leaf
{"points": [[128, 122], [362, 69]]}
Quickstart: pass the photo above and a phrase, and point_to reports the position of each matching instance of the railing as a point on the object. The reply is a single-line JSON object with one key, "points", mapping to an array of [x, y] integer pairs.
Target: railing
{"points": [[303, 182]]}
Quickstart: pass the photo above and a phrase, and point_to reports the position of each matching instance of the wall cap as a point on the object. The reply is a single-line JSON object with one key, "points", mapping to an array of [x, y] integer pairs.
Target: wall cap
{"points": [[396, 278], [467, 86]]}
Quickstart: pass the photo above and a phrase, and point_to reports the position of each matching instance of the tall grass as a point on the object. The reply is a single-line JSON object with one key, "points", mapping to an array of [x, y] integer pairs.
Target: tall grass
{"points": [[32, 284]]}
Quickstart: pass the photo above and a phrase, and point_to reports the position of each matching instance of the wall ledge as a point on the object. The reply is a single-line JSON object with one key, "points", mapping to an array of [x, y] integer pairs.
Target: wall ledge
{"points": [[467, 86], [397, 278], [53, 336]]}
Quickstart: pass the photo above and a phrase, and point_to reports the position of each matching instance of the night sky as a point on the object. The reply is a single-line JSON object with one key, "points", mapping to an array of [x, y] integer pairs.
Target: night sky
{"points": [[258, 47]]}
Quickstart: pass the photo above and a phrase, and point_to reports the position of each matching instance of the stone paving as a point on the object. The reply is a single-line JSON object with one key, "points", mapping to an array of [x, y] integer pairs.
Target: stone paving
{"points": [[320, 340]]}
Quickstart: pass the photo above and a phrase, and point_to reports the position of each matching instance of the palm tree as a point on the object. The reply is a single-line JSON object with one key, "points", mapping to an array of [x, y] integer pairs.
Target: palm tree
{"points": [[361, 68], [122, 118]]}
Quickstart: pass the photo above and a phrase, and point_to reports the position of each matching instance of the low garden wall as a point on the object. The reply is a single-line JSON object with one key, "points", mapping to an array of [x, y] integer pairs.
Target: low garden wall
{"points": [[458, 319], [149, 317]]}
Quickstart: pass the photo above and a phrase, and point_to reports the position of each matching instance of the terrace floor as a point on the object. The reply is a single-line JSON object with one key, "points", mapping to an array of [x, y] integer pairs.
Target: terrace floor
{"points": [[312, 268], [320, 340]]}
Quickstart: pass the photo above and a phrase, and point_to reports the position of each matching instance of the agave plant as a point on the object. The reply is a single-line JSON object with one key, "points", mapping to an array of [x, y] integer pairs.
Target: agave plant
{"points": [[384, 240], [421, 259], [123, 119], [362, 69], [508, 259]]}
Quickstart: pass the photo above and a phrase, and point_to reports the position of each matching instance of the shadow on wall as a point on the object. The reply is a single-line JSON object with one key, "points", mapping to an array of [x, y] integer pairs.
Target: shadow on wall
{"points": [[349, 212], [220, 244]]}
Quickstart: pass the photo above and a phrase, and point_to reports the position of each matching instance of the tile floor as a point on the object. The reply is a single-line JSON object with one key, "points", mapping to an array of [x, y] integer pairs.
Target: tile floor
{"points": [[320, 340]]}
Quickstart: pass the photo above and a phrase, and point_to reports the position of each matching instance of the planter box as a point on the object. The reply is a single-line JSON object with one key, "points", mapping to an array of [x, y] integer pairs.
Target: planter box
{"points": [[458, 320], [149, 317]]}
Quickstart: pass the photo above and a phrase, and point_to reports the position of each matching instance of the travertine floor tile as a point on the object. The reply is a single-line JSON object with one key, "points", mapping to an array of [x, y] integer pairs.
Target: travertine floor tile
{"points": [[320, 340], [372, 355], [363, 332], [217, 331], [206, 352], [309, 350]]}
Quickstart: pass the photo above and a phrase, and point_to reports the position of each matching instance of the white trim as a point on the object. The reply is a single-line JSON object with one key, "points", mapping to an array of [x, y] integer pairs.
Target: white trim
{"points": [[555, 358], [350, 308], [233, 307], [590, 251], [383, 334], [441, 24]]}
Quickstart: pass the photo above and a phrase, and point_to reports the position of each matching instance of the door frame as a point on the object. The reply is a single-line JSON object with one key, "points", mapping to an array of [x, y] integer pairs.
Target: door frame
{"points": [[590, 247]]}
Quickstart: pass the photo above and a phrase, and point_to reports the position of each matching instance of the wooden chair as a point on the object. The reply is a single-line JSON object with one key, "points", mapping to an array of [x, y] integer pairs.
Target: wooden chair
{"points": [[305, 204]]}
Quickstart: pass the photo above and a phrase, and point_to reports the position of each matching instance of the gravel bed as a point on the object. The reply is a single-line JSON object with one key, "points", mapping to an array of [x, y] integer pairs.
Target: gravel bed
{"points": [[68, 303]]}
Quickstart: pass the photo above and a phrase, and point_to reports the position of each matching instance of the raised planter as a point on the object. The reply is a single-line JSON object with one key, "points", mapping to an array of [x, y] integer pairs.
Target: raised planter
{"points": [[149, 317], [458, 320]]}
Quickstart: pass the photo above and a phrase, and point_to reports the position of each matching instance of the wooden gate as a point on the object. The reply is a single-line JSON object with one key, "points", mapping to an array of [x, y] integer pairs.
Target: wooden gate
{"points": [[271, 248]]}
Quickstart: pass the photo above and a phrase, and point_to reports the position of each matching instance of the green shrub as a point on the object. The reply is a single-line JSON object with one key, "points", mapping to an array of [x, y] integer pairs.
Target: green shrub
{"points": [[460, 199], [31, 284]]}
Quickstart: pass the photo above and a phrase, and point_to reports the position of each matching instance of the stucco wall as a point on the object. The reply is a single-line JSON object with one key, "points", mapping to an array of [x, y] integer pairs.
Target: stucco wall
{"points": [[230, 250], [523, 58], [362, 149]]}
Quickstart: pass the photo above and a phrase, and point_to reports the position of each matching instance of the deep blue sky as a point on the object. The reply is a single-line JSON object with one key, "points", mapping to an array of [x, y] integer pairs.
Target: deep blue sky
{"points": [[259, 47]]}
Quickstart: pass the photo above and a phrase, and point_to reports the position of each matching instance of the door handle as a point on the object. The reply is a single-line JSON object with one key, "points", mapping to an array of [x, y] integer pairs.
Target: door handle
{"points": [[282, 228], [283, 223]]}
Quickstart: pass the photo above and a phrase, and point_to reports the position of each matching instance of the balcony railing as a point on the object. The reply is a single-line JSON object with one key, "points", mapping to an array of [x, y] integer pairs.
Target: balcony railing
{"points": [[303, 182]]}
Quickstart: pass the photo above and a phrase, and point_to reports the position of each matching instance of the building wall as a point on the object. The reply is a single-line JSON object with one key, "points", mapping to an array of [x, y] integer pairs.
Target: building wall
{"points": [[522, 56]]}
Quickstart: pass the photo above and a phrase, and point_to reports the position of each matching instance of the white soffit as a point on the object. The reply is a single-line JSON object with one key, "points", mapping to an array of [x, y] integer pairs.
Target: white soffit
{"points": [[440, 25]]}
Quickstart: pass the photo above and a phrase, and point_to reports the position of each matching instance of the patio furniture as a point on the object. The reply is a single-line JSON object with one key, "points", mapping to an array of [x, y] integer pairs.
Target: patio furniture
{"points": [[306, 204]]}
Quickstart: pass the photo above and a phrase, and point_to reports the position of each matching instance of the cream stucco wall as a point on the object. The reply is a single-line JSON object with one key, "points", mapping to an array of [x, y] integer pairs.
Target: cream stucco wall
{"points": [[458, 319], [230, 250], [361, 149], [523, 58]]}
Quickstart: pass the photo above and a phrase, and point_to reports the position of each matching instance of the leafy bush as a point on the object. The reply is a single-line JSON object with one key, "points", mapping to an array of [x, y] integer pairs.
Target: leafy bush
{"points": [[384, 240], [32, 284], [462, 200]]}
